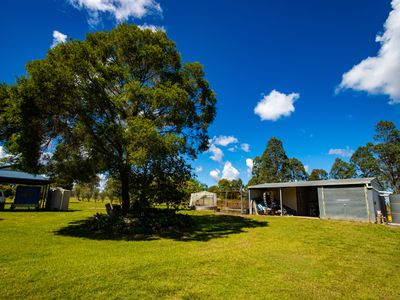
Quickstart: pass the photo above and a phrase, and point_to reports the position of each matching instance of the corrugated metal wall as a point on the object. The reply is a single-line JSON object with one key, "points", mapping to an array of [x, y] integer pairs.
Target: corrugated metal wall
{"points": [[344, 202], [395, 208]]}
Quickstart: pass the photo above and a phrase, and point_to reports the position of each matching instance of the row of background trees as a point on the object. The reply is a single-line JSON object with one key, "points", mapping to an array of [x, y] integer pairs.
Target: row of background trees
{"points": [[380, 159]]}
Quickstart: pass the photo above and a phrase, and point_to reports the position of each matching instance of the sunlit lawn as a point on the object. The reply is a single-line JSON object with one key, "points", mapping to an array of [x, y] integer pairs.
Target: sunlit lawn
{"points": [[230, 257]]}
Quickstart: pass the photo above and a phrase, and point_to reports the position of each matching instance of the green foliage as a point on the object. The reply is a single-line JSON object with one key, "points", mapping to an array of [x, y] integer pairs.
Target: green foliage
{"points": [[271, 166], [213, 189], [318, 174], [342, 170], [228, 188], [154, 222], [87, 191], [296, 170], [387, 150], [119, 102], [364, 161], [113, 189], [193, 186], [225, 185], [9, 191], [102, 196], [382, 158], [20, 127], [275, 166]]}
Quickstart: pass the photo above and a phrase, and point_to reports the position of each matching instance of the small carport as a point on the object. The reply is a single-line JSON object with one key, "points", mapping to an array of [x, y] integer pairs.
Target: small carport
{"points": [[350, 199], [8, 176]]}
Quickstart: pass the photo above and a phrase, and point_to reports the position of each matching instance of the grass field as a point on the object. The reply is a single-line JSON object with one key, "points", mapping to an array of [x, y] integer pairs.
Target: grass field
{"points": [[223, 257]]}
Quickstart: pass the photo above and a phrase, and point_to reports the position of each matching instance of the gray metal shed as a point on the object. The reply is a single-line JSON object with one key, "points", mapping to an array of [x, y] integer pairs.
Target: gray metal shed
{"points": [[347, 199]]}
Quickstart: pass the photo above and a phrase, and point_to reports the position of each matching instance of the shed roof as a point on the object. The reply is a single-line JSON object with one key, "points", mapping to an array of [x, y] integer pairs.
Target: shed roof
{"points": [[10, 176], [352, 181]]}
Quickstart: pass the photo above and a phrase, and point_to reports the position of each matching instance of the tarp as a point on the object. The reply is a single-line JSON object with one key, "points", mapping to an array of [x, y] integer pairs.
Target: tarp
{"points": [[27, 195]]}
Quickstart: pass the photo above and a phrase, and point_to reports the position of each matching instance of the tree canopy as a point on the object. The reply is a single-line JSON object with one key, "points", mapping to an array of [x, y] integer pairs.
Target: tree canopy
{"points": [[342, 170], [275, 166], [380, 159], [120, 103], [318, 174], [387, 150], [365, 162]]}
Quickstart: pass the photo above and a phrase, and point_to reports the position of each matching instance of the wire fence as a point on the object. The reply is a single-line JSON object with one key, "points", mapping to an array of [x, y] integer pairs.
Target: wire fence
{"points": [[235, 202]]}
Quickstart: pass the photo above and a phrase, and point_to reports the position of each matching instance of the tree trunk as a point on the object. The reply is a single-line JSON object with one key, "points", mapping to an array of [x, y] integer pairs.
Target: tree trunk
{"points": [[125, 192]]}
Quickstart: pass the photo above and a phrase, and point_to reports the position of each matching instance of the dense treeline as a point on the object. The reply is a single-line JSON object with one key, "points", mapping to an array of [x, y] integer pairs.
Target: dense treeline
{"points": [[380, 159]]}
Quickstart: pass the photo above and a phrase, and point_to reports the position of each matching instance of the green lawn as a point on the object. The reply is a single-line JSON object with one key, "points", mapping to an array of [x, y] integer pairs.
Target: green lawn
{"points": [[42, 256]]}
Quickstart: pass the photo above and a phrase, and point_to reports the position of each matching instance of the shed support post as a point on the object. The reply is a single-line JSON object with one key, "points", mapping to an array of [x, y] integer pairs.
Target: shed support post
{"points": [[250, 204], [323, 201], [241, 202], [280, 199], [366, 202]]}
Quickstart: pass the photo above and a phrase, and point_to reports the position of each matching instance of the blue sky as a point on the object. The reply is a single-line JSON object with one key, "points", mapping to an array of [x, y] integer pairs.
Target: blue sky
{"points": [[316, 72]]}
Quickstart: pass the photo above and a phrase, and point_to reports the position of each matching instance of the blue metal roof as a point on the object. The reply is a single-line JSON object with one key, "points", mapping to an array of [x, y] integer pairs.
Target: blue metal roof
{"points": [[10, 176]]}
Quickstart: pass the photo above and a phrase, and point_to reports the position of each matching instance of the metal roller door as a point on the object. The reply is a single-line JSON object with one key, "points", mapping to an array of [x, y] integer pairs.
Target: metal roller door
{"points": [[345, 203]]}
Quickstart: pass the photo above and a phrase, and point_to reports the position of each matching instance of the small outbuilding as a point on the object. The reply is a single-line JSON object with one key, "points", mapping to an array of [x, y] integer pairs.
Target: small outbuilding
{"points": [[203, 201], [360, 199], [32, 189]]}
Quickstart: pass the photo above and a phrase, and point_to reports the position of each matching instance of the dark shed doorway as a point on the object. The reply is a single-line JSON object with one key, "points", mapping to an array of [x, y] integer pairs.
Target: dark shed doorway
{"points": [[307, 201]]}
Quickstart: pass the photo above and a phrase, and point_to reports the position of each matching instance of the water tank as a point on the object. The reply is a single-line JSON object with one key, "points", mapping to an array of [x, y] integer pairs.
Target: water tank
{"points": [[395, 207], [58, 199]]}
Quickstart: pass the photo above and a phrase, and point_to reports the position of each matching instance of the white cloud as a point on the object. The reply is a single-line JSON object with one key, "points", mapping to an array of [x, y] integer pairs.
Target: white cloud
{"points": [[153, 28], [215, 174], [217, 153], [121, 10], [306, 168], [224, 140], [276, 105], [347, 152], [199, 169], [380, 74], [249, 165], [245, 147], [58, 38], [230, 172]]}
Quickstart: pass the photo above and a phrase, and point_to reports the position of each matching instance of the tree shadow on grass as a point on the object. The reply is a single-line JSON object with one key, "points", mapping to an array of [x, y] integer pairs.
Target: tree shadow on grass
{"points": [[204, 228]]}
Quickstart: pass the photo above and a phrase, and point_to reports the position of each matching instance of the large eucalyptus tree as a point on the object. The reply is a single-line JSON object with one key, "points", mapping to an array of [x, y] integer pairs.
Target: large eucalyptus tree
{"points": [[119, 102]]}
